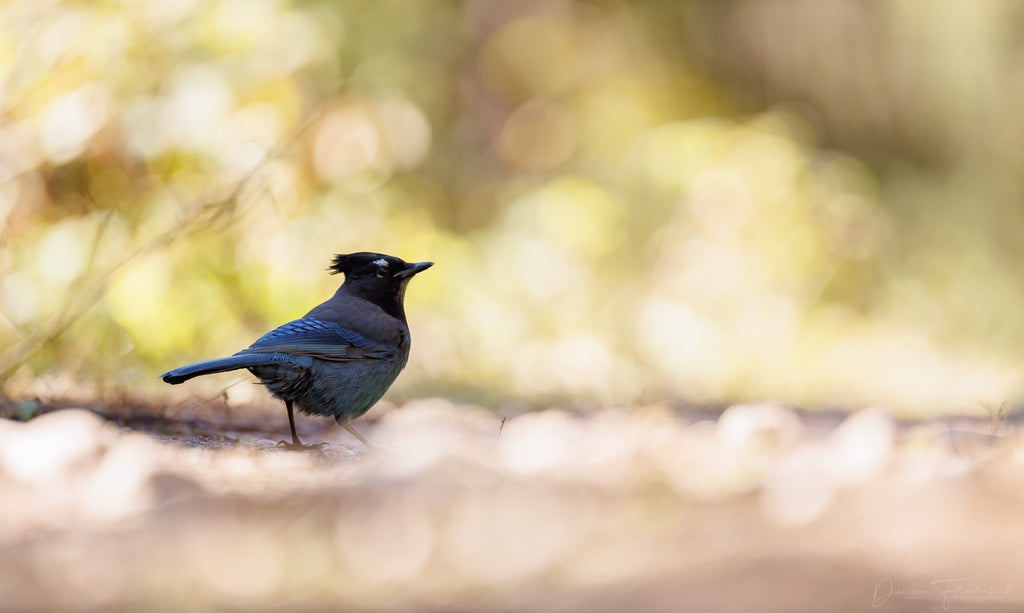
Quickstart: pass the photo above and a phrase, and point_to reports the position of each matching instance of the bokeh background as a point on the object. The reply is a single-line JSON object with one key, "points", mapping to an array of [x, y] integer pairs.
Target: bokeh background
{"points": [[817, 201], [660, 223]]}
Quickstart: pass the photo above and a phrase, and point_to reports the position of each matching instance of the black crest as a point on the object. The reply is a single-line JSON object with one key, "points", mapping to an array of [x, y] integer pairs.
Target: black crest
{"points": [[352, 262]]}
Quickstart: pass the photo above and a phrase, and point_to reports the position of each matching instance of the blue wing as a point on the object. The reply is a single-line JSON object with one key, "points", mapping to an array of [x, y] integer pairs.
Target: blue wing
{"points": [[319, 339]]}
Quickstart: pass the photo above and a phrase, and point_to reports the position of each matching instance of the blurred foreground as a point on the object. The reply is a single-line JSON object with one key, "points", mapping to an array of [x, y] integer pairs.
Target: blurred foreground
{"points": [[647, 509]]}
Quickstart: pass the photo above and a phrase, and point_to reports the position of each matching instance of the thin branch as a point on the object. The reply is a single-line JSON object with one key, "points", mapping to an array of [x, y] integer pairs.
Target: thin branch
{"points": [[88, 293], [498, 437]]}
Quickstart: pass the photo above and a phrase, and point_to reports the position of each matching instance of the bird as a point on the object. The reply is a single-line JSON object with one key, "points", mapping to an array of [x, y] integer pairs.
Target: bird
{"points": [[339, 358]]}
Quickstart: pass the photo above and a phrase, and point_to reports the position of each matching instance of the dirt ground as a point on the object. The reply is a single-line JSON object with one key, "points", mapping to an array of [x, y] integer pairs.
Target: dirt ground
{"points": [[760, 508]]}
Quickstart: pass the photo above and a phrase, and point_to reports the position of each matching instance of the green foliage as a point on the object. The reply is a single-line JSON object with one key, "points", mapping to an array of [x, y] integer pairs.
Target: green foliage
{"points": [[626, 201], [26, 409]]}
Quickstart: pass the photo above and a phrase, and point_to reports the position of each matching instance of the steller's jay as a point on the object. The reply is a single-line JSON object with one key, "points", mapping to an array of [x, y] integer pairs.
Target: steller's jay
{"points": [[342, 356]]}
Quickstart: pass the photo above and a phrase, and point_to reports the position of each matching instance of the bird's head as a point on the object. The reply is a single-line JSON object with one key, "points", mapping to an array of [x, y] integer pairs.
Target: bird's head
{"points": [[379, 278]]}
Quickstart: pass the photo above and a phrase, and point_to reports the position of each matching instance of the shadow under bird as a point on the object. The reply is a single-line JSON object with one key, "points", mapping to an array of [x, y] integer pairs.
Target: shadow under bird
{"points": [[340, 358]]}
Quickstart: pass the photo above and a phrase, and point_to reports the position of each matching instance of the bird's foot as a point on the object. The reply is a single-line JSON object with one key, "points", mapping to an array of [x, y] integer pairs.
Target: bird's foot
{"points": [[300, 447]]}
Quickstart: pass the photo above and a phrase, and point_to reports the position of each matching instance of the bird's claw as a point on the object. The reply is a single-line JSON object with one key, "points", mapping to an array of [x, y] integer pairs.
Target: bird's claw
{"points": [[301, 447]]}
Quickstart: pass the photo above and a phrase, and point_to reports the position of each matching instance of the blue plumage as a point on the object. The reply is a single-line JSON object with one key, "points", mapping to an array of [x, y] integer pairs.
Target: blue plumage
{"points": [[311, 330], [342, 356]]}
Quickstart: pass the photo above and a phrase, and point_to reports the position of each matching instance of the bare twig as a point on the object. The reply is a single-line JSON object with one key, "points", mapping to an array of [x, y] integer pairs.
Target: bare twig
{"points": [[497, 438], [85, 294]]}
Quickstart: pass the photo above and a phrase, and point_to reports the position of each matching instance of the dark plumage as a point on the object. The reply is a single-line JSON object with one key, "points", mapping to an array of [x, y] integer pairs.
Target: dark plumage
{"points": [[342, 356]]}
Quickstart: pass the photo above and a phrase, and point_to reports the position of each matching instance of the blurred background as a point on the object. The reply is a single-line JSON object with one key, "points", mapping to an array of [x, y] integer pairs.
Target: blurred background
{"points": [[641, 212], [705, 201]]}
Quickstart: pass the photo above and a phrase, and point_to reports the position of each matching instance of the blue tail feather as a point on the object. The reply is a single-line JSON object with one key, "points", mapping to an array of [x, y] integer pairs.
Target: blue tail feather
{"points": [[235, 362]]}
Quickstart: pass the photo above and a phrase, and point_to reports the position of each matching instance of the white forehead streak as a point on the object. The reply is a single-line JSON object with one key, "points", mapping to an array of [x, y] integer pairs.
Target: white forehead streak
{"points": [[381, 262]]}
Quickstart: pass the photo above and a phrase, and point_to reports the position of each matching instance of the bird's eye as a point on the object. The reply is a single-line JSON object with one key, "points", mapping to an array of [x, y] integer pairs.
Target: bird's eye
{"points": [[382, 271]]}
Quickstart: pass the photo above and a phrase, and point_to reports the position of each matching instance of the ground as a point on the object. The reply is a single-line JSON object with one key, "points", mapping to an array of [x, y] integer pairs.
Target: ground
{"points": [[759, 508]]}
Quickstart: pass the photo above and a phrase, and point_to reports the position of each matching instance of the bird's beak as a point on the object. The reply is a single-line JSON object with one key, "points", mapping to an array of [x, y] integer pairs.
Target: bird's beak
{"points": [[412, 269]]}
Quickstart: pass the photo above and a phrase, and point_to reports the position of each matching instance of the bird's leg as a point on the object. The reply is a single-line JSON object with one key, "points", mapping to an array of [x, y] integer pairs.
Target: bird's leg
{"points": [[291, 422], [344, 424], [296, 443]]}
